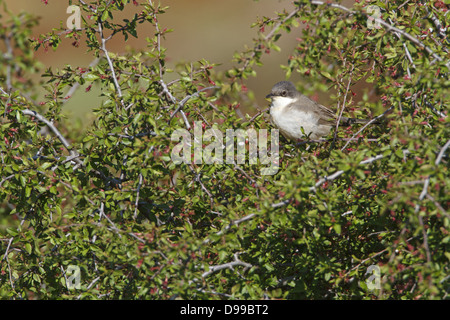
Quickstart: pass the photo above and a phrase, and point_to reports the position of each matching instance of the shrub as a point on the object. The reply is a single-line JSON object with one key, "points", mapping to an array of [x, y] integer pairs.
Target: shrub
{"points": [[363, 214]]}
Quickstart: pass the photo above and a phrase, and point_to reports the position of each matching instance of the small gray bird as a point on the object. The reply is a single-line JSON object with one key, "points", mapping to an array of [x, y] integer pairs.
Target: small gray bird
{"points": [[291, 111]]}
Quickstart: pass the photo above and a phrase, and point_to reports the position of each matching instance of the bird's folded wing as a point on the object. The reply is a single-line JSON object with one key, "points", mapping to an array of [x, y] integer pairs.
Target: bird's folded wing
{"points": [[327, 117]]}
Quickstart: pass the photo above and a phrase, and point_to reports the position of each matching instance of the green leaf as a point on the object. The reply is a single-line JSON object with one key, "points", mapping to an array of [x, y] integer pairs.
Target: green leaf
{"points": [[28, 191], [12, 231], [105, 15], [337, 228], [28, 248], [23, 180], [46, 165], [90, 77]]}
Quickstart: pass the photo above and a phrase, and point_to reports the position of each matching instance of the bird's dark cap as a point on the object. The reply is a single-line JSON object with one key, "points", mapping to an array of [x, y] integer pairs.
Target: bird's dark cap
{"points": [[283, 89]]}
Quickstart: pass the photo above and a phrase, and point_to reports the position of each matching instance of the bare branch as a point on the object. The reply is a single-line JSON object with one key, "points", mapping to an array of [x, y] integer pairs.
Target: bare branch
{"points": [[331, 177], [111, 66], [50, 125], [441, 153], [228, 265], [197, 179]]}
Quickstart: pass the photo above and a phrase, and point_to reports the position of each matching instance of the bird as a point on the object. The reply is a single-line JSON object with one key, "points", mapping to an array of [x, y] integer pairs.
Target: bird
{"points": [[298, 117]]}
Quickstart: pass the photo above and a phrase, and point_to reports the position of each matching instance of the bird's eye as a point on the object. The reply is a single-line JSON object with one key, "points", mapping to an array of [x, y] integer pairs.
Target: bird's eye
{"points": [[283, 93]]}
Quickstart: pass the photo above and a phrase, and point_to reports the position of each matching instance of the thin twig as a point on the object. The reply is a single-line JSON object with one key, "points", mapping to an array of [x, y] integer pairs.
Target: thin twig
{"points": [[441, 153], [389, 28], [231, 224], [338, 121], [58, 134], [75, 87], [365, 126], [111, 65], [438, 205], [422, 196], [270, 35], [185, 99], [137, 195], [329, 178]]}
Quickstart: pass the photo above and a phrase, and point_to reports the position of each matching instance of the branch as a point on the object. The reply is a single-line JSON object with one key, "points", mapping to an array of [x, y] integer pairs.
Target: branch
{"points": [[330, 178], [174, 101], [231, 224], [136, 203], [75, 87], [422, 196], [426, 182], [340, 172], [343, 104], [183, 102], [365, 126], [197, 179], [389, 28], [41, 118], [441, 153], [433, 108], [438, 205], [269, 36], [229, 265], [74, 155], [111, 66], [5, 256], [161, 81], [439, 28]]}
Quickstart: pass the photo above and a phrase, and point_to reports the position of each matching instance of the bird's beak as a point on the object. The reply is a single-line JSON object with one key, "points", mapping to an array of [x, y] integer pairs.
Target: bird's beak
{"points": [[270, 95]]}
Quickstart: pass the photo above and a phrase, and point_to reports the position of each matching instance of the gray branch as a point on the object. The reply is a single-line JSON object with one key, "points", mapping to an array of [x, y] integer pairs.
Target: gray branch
{"points": [[229, 265]]}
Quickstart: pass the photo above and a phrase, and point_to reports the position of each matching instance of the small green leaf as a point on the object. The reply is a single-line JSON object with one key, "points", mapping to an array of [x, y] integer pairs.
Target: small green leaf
{"points": [[90, 77], [23, 180], [12, 231], [337, 228], [28, 248], [46, 165]]}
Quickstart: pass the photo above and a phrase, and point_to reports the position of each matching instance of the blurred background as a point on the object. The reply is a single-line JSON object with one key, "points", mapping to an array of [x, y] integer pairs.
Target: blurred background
{"points": [[203, 29]]}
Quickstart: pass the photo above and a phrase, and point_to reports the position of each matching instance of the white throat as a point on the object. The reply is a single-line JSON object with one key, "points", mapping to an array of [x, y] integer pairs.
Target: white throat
{"points": [[278, 109], [281, 102]]}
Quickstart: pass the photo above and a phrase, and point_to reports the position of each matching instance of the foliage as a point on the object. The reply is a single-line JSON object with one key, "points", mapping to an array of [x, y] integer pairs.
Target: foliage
{"points": [[110, 201]]}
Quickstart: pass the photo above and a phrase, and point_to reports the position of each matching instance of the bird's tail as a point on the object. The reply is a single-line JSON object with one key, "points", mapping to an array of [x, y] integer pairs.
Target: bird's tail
{"points": [[349, 121]]}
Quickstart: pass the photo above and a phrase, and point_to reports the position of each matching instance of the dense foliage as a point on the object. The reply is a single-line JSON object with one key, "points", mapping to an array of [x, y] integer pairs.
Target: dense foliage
{"points": [[110, 202]]}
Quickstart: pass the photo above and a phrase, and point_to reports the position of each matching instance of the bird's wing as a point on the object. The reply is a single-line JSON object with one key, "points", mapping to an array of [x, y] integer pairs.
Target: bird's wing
{"points": [[326, 116]]}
